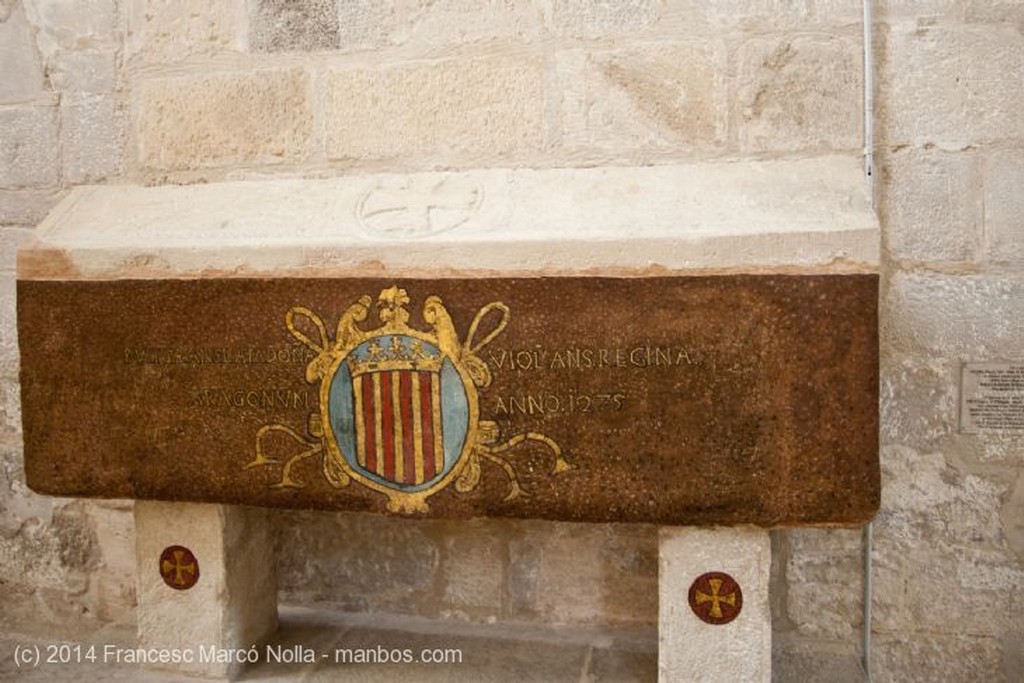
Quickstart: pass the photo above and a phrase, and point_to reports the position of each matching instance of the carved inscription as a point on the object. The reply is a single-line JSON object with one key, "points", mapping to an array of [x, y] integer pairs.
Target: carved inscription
{"points": [[590, 358], [217, 355], [521, 361], [202, 395], [570, 403], [992, 398], [600, 360], [267, 399]]}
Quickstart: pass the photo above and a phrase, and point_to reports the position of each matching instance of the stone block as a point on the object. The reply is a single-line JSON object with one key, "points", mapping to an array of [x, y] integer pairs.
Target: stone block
{"points": [[1012, 516], [232, 601], [928, 11], [569, 75], [483, 109], [998, 571], [20, 506], [365, 24], [821, 544], [569, 574], [87, 72], [19, 59], [951, 88], [994, 11], [630, 663], [919, 401], [523, 569], [52, 552], [683, 18], [840, 14], [70, 25], [28, 147], [359, 562], [759, 16], [965, 317], [925, 500], [660, 97], [10, 239], [1004, 205], [113, 585], [261, 117], [432, 23], [168, 31], [8, 329], [575, 574], [92, 132], [474, 569], [807, 213], [933, 205], [26, 207], [1013, 655], [931, 574], [304, 25], [945, 588], [11, 410], [925, 658], [799, 94], [814, 661], [823, 575], [889, 588], [592, 20], [996, 448], [629, 556], [736, 650]]}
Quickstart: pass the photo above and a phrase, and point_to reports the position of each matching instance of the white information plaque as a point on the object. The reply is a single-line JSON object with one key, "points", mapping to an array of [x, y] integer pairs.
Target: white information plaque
{"points": [[992, 398]]}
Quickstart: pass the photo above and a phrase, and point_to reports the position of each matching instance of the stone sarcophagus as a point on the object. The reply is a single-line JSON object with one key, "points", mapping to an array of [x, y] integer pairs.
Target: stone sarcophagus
{"points": [[672, 400], [452, 363], [686, 345]]}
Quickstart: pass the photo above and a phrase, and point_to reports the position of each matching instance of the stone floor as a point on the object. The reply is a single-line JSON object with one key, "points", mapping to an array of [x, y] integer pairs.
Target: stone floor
{"points": [[489, 653]]}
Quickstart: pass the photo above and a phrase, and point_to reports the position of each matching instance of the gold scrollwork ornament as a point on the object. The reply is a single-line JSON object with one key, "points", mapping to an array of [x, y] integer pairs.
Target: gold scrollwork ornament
{"points": [[399, 407]]}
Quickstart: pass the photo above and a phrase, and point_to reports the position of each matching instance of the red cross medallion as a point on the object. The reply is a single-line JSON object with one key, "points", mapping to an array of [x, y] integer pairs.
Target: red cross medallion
{"points": [[715, 598], [179, 567]]}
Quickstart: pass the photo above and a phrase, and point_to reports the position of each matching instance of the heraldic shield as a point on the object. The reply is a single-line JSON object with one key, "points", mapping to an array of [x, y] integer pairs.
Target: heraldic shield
{"points": [[399, 406], [399, 410]]}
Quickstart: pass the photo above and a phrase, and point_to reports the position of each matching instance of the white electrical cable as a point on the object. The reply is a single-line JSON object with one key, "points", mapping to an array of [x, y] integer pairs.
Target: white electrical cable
{"points": [[867, 540], [869, 98], [867, 543]]}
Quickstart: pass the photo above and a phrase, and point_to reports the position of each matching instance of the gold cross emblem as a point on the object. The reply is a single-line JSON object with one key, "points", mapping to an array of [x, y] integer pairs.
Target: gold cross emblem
{"points": [[179, 567], [716, 598]]}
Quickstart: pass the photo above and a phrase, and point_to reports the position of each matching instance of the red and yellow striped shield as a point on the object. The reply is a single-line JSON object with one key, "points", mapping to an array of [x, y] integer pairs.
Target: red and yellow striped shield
{"points": [[397, 411]]}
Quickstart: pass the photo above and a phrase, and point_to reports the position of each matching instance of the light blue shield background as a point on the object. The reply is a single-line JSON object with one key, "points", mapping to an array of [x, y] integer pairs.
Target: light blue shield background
{"points": [[454, 412]]}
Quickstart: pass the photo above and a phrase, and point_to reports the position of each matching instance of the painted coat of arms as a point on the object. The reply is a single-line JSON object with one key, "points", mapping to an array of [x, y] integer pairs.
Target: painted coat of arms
{"points": [[399, 407]]}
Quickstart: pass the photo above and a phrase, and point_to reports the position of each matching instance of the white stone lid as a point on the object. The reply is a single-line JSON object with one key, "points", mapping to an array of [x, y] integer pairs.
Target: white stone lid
{"points": [[741, 216]]}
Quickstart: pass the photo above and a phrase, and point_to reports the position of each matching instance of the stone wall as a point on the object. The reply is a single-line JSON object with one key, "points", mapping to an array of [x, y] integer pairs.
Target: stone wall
{"points": [[162, 91]]}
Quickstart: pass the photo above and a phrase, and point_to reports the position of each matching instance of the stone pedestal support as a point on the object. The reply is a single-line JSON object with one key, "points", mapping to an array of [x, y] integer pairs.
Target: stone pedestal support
{"points": [[229, 552], [692, 650]]}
